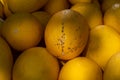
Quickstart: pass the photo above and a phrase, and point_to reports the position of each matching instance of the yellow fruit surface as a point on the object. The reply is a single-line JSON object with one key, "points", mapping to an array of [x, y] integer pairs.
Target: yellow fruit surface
{"points": [[112, 68], [6, 60], [25, 5], [22, 31], [66, 34], [36, 64], [80, 68], [59, 39], [91, 12], [103, 43], [77, 1], [112, 17], [54, 6], [106, 4]]}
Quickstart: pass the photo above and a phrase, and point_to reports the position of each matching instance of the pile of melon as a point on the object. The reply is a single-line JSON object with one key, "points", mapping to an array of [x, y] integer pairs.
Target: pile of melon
{"points": [[59, 39]]}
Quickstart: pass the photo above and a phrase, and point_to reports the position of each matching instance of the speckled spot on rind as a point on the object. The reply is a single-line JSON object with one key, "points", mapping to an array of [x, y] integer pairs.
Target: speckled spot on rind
{"points": [[62, 38]]}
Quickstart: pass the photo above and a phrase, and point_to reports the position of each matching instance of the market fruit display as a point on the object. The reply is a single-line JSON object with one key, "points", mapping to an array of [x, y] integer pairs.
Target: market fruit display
{"points": [[59, 39]]}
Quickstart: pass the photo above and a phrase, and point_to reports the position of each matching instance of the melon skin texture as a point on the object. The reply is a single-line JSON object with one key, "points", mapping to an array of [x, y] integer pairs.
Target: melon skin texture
{"points": [[66, 34], [6, 60], [36, 64], [112, 69]]}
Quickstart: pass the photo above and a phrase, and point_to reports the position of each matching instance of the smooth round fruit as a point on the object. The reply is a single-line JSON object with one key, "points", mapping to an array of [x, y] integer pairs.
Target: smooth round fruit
{"points": [[25, 5], [103, 43], [80, 68], [54, 6], [6, 60], [111, 17], [36, 64], [22, 31], [112, 68], [91, 11], [78, 1], [66, 34]]}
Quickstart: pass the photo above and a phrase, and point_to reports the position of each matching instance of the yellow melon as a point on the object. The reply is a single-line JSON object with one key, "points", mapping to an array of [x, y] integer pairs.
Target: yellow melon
{"points": [[112, 68], [6, 60], [80, 68], [22, 31], [25, 5], [103, 43], [36, 64], [66, 34], [111, 17]]}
